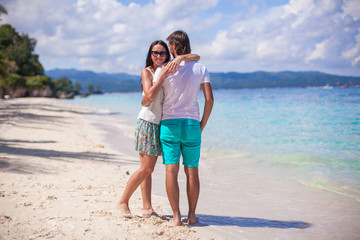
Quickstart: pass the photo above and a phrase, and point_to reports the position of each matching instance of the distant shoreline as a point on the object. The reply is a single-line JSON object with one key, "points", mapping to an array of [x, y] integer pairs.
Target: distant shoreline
{"points": [[122, 82]]}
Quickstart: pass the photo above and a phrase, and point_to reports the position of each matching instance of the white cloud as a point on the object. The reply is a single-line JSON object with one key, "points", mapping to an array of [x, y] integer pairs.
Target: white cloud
{"points": [[320, 51], [304, 33], [119, 28], [208, 22], [352, 8], [353, 53], [105, 35], [167, 9], [115, 48]]}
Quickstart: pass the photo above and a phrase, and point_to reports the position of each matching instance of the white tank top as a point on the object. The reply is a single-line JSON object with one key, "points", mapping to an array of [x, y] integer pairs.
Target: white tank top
{"points": [[152, 113]]}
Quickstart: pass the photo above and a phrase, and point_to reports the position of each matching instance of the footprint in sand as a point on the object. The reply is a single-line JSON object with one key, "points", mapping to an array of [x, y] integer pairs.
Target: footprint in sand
{"points": [[4, 219], [50, 186], [51, 198]]}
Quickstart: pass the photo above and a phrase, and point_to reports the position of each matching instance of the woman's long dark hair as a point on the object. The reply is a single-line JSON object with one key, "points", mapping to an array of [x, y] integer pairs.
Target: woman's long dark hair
{"points": [[149, 61]]}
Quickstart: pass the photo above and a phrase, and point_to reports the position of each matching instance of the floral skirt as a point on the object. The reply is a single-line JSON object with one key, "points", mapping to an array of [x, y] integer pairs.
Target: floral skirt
{"points": [[147, 138]]}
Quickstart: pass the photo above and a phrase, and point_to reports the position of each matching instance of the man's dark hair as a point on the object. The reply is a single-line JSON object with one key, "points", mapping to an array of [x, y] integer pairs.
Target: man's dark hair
{"points": [[181, 40]]}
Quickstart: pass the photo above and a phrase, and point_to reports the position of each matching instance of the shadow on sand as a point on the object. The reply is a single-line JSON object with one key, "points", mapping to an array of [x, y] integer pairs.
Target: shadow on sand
{"points": [[17, 154], [11, 113], [49, 108], [206, 220]]}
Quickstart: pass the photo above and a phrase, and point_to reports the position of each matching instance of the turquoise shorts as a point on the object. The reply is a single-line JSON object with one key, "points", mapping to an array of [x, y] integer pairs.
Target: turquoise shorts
{"points": [[181, 137]]}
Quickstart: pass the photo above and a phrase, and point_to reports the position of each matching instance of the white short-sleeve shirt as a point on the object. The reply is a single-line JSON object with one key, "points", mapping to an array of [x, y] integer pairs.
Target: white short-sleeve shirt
{"points": [[181, 90]]}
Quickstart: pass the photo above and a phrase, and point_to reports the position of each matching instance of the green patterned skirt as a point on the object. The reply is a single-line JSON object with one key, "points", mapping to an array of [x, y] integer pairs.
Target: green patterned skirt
{"points": [[147, 138]]}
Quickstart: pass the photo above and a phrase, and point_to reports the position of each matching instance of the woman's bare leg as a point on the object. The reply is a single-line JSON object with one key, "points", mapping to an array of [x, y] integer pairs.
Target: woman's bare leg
{"points": [[145, 170], [146, 196]]}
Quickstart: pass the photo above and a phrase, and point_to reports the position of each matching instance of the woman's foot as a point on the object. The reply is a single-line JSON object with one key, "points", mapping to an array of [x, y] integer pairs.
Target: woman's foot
{"points": [[124, 209], [148, 212]]}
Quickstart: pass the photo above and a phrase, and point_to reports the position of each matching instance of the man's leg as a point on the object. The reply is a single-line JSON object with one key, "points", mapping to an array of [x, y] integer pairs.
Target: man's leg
{"points": [[193, 190], [169, 137], [172, 190], [190, 145]]}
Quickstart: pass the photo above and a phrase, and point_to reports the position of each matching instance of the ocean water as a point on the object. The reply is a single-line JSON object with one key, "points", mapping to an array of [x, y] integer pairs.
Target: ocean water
{"points": [[310, 135]]}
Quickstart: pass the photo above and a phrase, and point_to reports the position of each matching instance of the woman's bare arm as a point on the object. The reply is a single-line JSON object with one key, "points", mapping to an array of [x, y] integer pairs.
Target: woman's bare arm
{"points": [[170, 67], [174, 64], [153, 89]]}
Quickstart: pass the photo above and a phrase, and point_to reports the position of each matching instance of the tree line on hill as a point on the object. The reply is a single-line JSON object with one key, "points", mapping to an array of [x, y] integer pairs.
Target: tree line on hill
{"points": [[288, 79], [107, 82], [21, 73], [232, 80]]}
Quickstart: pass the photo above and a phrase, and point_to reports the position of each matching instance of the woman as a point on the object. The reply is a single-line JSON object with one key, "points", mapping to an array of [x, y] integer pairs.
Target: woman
{"points": [[147, 130]]}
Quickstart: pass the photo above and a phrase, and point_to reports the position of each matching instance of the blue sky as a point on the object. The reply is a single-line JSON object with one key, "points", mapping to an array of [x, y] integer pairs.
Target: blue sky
{"points": [[229, 35]]}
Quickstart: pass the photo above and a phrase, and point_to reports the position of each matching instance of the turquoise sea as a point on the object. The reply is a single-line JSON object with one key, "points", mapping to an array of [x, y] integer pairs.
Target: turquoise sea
{"points": [[310, 135]]}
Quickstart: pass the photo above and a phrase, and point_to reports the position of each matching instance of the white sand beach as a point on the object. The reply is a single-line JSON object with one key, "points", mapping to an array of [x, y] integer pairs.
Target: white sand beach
{"points": [[60, 179]]}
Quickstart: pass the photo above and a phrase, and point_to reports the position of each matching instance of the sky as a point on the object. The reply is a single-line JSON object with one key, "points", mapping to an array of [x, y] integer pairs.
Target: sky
{"points": [[113, 36]]}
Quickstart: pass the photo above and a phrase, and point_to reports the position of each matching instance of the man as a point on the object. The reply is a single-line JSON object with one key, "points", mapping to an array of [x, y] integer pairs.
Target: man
{"points": [[181, 127]]}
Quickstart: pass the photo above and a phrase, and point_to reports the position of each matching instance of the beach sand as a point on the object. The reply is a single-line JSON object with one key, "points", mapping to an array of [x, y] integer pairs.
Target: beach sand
{"points": [[59, 181], [60, 178]]}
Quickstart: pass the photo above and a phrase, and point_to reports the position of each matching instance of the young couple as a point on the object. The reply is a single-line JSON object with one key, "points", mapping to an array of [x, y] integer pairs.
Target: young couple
{"points": [[169, 124]]}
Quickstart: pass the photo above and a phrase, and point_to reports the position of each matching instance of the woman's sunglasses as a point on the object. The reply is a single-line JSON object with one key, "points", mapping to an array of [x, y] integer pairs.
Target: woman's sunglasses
{"points": [[156, 54]]}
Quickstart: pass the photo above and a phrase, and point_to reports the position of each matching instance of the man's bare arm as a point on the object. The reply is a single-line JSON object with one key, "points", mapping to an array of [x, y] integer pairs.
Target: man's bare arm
{"points": [[209, 102]]}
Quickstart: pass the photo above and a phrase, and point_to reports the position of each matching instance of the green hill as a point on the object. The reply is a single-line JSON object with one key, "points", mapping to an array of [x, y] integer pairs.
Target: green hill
{"points": [[122, 82], [117, 82], [233, 80]]}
